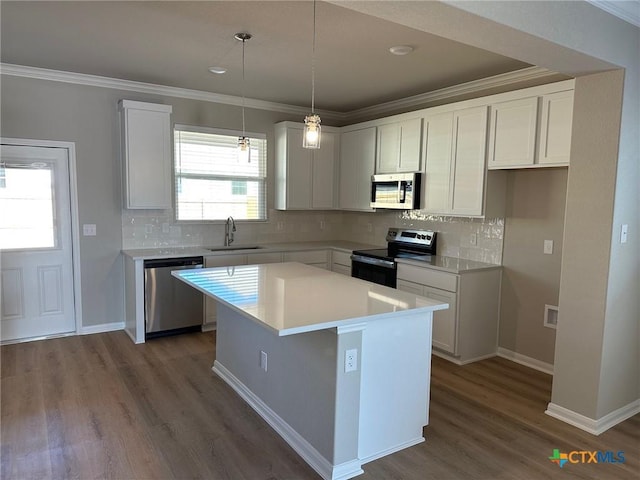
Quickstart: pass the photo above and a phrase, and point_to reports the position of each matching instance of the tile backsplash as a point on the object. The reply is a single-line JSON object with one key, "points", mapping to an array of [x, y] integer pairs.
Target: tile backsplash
{"points": [[456, 235]]}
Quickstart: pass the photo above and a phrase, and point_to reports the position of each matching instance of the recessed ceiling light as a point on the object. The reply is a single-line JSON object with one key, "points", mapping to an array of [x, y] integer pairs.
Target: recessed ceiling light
{"points": [[218, 70], [401, 49]]}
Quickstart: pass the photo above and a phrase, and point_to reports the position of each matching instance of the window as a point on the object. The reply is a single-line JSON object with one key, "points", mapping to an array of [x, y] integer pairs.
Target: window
{"points": [[27, 206], [212, 181]]}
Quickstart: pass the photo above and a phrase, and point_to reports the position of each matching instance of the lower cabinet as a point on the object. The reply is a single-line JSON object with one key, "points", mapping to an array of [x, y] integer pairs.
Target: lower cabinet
{"points": [[341, 262], [468, 330], [316, 258]]}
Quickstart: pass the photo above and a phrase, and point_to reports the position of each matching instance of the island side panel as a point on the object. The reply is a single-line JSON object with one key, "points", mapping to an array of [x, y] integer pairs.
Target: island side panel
{"points": [[396, 378], [299, 384]]}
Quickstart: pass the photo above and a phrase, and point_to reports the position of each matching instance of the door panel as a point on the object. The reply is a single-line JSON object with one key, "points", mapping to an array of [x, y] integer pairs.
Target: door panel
{"points": [[35, 243]]}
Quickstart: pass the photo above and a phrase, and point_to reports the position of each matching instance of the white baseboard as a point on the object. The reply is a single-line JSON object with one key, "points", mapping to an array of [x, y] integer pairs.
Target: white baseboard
{"points": [[391, 450], [594, 427], [526, 361], [102, 328], [308, 452], [457, 361]]}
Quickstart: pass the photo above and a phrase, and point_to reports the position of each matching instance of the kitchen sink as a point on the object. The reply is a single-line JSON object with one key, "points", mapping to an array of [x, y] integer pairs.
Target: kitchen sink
{"points": [[231, 248]]}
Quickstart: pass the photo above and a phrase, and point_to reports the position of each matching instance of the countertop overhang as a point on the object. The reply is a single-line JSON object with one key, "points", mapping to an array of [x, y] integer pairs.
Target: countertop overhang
{"points": [[291, 298]]}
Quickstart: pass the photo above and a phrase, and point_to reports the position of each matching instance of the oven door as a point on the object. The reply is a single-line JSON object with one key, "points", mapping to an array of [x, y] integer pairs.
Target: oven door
{"points": [[376, 270]]}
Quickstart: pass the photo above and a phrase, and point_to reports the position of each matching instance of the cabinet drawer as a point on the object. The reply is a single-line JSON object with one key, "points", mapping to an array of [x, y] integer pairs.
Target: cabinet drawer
{"points": [[258, 258], [341, 258], [429, 277], [342, 269], [313, 256], [225, 260]]}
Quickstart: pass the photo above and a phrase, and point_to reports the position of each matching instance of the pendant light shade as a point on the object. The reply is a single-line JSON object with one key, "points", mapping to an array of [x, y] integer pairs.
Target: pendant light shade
{"points": [[243, 140], [312, 133], [311, 138]]}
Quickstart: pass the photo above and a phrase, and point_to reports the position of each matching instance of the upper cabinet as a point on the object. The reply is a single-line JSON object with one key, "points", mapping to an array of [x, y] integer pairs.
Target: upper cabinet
{"points": [[357, 161], [554, 147], [455, 145], [146, 154], [531, 132], [399, 146], [305, 179], [512, 133]]}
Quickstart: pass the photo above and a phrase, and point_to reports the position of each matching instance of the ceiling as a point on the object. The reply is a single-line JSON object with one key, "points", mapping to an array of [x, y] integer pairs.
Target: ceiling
{"points": [[174, 43]]}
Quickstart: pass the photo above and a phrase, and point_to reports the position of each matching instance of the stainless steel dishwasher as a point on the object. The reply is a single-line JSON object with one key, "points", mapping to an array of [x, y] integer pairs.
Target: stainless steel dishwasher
{"points": [[171, 306]]}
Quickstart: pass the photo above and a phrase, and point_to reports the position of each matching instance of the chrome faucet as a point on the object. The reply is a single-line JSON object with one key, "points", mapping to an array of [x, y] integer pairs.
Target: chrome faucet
{"points": [[229, 229]]}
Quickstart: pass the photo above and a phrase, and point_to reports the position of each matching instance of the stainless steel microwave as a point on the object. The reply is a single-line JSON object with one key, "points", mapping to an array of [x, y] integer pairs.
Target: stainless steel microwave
{"points": [[399, 191]]}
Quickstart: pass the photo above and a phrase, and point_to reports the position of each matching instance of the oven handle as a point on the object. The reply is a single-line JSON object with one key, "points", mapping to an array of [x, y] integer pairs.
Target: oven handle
{"points": [[374, 261]]}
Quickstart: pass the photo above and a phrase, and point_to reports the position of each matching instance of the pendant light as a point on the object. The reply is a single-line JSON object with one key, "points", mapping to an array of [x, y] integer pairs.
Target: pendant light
{"points": [[243, 140], [311, 137]]}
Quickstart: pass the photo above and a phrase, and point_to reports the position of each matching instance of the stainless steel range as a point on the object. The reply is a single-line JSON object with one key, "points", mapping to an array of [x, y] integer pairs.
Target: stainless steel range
{"points": [[379, 265]]}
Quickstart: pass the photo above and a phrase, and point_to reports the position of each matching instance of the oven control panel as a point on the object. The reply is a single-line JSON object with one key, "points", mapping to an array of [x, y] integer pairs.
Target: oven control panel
{"points": [[414, 237]]}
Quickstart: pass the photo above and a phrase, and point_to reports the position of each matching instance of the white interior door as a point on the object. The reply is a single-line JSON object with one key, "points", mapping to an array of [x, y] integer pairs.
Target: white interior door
{"points": [[35, 243]]}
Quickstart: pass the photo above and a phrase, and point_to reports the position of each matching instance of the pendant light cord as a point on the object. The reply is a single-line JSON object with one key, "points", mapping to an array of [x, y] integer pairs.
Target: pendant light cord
{"points": [[243, 87], [313, 62]]}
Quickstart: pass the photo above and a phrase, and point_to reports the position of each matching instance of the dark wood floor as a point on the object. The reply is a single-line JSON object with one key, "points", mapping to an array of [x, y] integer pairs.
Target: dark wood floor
{"points": [[98, 406]]}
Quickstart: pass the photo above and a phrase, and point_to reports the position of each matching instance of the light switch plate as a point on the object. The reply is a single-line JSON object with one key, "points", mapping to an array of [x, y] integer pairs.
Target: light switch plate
{"points": [[548, 247], [89, 229], [623, 233]]}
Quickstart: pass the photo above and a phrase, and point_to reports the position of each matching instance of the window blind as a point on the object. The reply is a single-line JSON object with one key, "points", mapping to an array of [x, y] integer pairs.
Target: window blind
{"points": [[213, 180]]}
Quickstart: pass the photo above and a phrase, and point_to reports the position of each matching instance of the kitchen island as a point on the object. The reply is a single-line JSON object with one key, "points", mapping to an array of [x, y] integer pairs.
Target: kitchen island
{"points": [[338, 366]]}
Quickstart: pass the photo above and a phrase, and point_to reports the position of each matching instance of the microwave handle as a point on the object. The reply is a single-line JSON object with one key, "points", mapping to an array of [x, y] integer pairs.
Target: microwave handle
{"points": [[402, 191]]}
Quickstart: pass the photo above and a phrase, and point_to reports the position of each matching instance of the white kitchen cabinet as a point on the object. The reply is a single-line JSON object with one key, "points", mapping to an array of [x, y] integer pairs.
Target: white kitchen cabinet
{"points": [[145, 130], [228, 261], [455, 162], [512, 133], [468, 330], [357, 163], [341, 262], [305, 179], [264, 257], [317, 258], [555, 128], [399, 146], [531, 132]]}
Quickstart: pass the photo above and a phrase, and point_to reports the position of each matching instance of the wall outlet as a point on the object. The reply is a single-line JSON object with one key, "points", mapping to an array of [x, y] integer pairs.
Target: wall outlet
{"points": [[263, 360], [322, 225], [474, 239], [89, 229], [280, 226], [548, 247], [369, 227], [351, 360], [148, 228]]}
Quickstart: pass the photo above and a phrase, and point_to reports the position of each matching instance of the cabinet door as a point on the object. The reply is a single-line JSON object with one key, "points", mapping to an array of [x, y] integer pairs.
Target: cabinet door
{"points": [[438, 132], [512, 133], [469, 161], [299, 171], [146, 138], [323, 174], [410, 287], [444, 321], [218, 261], [410, 145], [357, 161], [555, 128], [388, 152]]}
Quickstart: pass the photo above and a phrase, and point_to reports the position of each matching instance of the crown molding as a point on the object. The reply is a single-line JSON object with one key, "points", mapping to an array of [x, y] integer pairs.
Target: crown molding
{"points": [[154, 89], [629, 10], [504, 79], [383, 109]]}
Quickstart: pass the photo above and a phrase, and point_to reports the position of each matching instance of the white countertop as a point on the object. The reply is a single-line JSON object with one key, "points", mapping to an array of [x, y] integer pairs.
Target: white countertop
{"points": [[447, 264], [291, 297], [239, 249]]}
